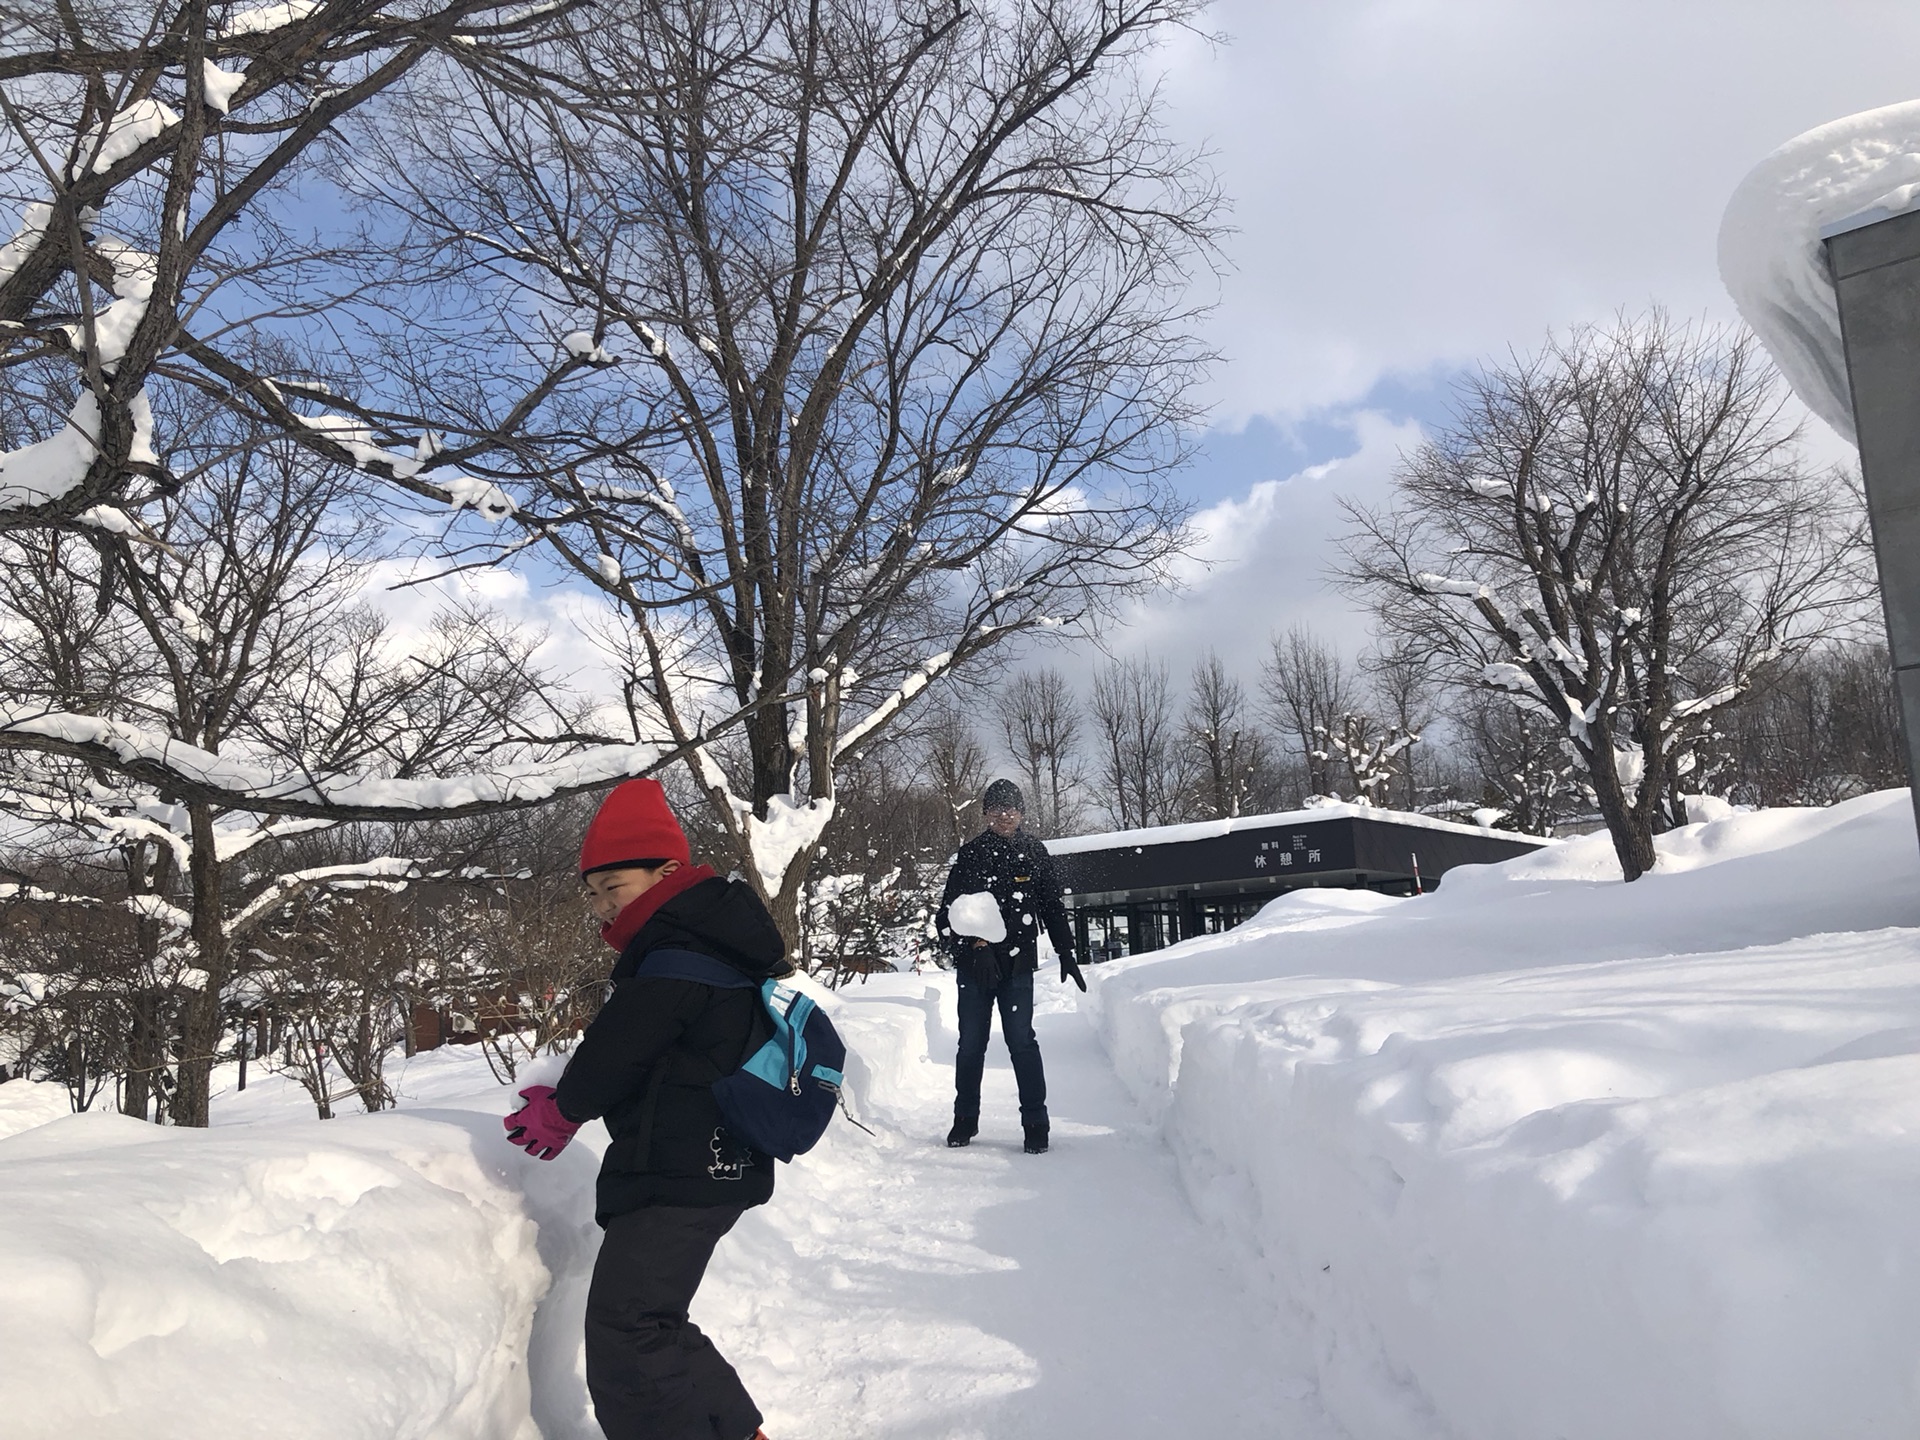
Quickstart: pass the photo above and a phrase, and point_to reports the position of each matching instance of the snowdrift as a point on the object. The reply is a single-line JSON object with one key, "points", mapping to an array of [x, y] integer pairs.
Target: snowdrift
{"points": [[380, 1277], [1546, 1155]]}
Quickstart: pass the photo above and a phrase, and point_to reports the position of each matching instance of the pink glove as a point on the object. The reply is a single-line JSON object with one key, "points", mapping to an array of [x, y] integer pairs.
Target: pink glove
{"points": [[538, 1127]]}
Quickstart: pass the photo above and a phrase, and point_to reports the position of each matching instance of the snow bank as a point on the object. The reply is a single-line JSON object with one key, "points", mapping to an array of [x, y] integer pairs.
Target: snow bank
{"points": [[27, 1103], [895, 1026], [379, 1276], [1545, 1155], [1863, 168]]}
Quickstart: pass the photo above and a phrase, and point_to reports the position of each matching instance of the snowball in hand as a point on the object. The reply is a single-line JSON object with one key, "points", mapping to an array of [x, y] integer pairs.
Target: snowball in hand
{"points": [[978, 915]]}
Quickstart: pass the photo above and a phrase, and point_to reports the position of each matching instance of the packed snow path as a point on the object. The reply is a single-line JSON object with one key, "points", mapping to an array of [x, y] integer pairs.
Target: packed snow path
{"points": [[898, 1288]]}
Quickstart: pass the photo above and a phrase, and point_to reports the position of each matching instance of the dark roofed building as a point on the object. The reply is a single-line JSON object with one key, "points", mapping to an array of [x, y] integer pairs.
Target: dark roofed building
{"points": [[1136, 890]]}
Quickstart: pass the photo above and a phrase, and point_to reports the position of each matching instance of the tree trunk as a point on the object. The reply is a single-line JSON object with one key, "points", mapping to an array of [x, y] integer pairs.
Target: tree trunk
{"points": [[202, 1028], [144, 1054], [1628, 825]]}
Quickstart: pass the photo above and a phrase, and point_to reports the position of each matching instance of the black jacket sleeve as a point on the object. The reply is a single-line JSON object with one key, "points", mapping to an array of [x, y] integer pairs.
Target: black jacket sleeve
{"points": [[1053, 909], [962, 879], [638, 1024]]}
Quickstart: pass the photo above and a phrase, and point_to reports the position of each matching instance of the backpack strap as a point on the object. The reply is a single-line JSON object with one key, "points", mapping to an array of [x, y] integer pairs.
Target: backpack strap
{"points": [[671, 964]]}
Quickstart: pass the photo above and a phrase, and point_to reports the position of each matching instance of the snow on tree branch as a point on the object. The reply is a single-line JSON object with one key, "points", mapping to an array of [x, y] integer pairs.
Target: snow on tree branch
{"points": [[790, 830], [156, 907], [283, 888], [930, 669], [191, 773], [1431, 584]]}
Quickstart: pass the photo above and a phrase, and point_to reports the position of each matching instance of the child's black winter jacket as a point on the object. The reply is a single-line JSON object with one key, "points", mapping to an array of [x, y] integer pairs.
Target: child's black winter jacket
{"points": [[648, 1061]]}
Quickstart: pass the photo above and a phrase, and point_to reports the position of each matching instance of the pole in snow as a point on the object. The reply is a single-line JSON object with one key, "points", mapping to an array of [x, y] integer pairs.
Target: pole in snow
{"points": [[1418, 889]]}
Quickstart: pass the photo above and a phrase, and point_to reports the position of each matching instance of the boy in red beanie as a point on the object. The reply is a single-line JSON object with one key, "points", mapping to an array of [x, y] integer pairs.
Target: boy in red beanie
{"points": [[674, 1180]]}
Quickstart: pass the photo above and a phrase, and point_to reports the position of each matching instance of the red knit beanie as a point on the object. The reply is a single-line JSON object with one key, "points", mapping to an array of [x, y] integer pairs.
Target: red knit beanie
{"points": [[633, 823]]}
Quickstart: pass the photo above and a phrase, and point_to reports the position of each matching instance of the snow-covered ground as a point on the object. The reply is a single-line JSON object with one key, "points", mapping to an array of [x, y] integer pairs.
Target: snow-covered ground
{"points": [[1539, 1155]]}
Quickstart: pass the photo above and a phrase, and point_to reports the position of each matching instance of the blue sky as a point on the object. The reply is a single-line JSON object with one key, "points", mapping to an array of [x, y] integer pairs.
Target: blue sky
{"points": [[1233, 458]]}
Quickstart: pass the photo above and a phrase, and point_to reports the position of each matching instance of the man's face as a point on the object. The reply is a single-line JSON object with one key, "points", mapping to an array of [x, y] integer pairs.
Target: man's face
{"points": [[1003, 820], [611, 891]]}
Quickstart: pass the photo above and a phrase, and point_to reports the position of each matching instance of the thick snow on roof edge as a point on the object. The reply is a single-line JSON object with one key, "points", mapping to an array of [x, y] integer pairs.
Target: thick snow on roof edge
{"points": [[1771, 256], [1208, 829]]}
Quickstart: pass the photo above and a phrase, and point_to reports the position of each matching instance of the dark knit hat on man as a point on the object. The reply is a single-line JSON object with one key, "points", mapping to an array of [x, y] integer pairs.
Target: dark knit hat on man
{"points": [[633, 823], [1003, 794]]}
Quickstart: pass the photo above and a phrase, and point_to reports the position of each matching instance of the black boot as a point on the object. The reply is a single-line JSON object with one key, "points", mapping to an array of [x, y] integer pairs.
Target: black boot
{"points": [[962, 1132], [1036, 1139]]}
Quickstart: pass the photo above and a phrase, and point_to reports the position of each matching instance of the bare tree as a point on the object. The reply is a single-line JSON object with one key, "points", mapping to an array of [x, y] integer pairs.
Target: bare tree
{"points": [[1226, 747], [1620, 531], [1040, 723], [1525, 764], [157, 279], [538, 958], [1406, 691], [1825, 730], [332, 966], [133, 139], [68, 980], [1142, 770], [1309, 689], [1368, 755], [894, 357], [956, 762], [237, 635]]}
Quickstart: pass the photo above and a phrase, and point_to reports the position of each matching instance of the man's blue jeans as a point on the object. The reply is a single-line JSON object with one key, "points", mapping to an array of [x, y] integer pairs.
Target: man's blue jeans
{"points": [[1014, 996]]}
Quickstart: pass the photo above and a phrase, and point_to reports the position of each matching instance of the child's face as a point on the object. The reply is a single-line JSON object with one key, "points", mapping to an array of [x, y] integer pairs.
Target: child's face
{"points": [[611, 891]]}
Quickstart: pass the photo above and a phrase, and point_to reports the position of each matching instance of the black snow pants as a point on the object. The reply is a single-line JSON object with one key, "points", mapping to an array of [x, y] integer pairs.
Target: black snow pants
{"points": [[652, 1374]]}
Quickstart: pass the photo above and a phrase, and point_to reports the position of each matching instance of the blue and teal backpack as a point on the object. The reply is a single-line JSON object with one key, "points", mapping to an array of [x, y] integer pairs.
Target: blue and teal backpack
{"points": [[780, 1099]]}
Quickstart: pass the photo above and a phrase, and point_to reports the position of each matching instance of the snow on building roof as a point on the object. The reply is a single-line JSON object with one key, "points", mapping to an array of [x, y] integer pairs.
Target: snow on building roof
{"points": [[1846, 173], [1209, 829]]}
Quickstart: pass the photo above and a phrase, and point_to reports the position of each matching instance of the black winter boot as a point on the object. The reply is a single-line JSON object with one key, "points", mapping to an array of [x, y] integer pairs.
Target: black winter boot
{"points": [[1036, 1139], [962, 1132]]}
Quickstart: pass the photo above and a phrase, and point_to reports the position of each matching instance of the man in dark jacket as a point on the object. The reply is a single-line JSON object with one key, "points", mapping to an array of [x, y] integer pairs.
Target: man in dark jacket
{"points": [[996, 948], [674, 1180]]}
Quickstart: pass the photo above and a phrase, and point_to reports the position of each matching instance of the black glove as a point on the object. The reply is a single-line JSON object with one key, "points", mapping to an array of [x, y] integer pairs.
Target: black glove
{"points": [[1070, 970], [985, 964]]}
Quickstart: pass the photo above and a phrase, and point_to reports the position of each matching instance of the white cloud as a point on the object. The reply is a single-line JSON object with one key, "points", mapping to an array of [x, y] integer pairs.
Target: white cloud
{"points": [[567, 617], [1260, 565], [1422, 182]]}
